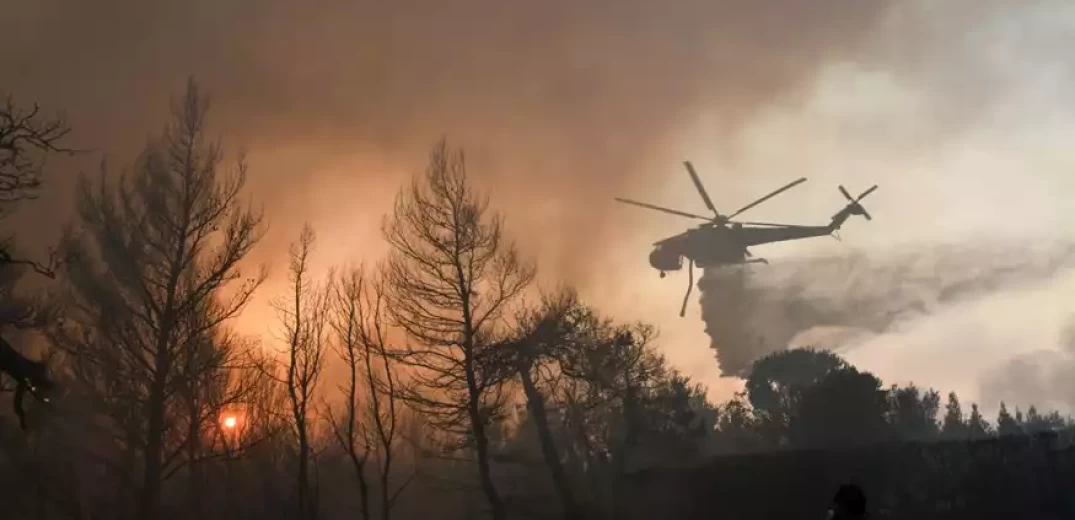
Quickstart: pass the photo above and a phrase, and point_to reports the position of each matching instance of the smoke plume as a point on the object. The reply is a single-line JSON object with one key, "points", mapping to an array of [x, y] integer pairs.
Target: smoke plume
{"points": [[1042, 378], [752, 311]]}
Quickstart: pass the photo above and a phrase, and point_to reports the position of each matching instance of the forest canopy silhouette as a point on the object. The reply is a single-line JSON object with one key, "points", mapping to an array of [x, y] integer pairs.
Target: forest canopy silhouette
{"points": [[464, 389]]}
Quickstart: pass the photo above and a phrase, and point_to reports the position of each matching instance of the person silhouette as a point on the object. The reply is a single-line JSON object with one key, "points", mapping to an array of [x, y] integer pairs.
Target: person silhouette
{"points": [[848, 504]]}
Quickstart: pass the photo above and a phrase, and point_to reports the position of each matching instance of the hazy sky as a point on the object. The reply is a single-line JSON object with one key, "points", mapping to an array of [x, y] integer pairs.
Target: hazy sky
{"points": [[959, 109]]}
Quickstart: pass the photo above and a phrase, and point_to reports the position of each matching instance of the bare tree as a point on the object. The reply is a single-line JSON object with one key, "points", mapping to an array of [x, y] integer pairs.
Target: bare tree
{"points": [[449, 280], [303, 315], [27, 137], [542, 335], [24, 134], [350, 430], [622, 405], [156, 250], [370, 431]]}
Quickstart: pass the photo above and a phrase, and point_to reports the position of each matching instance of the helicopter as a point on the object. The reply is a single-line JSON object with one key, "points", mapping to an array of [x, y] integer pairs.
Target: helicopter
{"points": [[720, 241]]}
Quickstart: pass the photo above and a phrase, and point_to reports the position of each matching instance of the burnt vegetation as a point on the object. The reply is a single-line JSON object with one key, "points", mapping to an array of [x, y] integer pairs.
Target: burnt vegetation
{"points": [[439, 383]]}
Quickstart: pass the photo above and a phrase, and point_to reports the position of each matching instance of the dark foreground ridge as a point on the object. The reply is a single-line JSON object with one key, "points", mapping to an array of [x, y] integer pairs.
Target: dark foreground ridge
{"points": [[1013, 477]]}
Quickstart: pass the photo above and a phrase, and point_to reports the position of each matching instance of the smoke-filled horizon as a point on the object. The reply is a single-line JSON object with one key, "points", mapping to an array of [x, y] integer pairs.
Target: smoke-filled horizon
{"points": [[958, 110]]}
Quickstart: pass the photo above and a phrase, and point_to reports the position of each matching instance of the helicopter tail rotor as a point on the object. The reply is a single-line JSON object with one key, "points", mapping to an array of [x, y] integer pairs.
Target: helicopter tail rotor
{"points": [[855, 208]]}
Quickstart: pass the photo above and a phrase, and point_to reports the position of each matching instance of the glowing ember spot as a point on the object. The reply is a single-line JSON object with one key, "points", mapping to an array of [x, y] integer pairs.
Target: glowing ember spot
{"points": [[230, 422]]}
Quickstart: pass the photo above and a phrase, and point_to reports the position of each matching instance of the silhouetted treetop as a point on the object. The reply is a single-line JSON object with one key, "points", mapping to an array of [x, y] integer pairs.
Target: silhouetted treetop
{"points": [[450, 279], [777, 380], [845, 409], [26, 138], [913, 413], [158, 249]]}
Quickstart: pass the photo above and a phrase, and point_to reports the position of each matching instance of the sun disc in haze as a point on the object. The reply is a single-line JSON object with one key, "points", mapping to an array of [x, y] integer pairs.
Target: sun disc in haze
{"points": [[230, 422]]}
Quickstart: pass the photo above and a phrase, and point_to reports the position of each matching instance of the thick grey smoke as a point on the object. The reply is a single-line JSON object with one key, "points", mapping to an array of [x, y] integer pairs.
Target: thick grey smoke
{"points": [[556, 101], [752, 311], [1044, 378]]}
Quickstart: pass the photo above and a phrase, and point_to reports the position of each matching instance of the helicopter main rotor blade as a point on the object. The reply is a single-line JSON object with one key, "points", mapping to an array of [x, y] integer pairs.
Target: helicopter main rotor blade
{"points": [[771, 224], [769, 196], [701, 189], [846, 194], [863, 196], [659, 208]]}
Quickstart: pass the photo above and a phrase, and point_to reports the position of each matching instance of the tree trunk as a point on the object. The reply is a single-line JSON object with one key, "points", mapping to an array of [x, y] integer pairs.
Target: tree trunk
{"points": [[149, 498], [536, 404], [630, 439], [129, 495], [477, 422], [364, 490], [303, 476], [360, 472], [481, 447], [386, 495], [195, 493]]}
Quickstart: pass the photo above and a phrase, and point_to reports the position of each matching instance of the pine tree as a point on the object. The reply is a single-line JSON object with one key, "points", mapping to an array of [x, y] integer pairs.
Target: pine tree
{"points": [[1036, 422], [1006, 424], [953, 425], [977, 426]]}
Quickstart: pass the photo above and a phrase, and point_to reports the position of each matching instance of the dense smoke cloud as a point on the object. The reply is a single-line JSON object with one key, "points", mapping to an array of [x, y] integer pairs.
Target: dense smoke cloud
{"points": [[1042, 378], [556, 101], [750, 312]]}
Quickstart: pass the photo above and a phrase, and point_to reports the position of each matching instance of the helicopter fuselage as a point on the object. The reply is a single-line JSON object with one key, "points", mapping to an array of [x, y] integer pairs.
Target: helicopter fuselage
{"points": [[711, 246], [706, 246]]}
